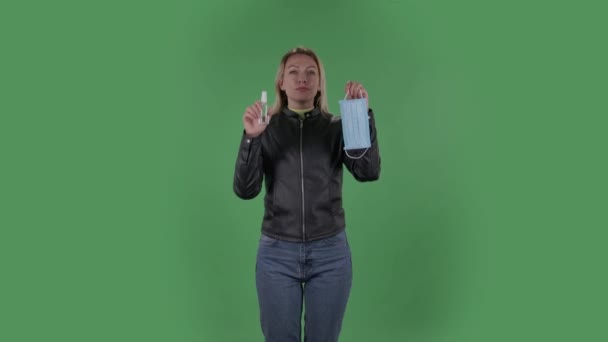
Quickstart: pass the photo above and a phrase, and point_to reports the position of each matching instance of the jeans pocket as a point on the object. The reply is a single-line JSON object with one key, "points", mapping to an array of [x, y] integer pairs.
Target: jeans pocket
{"points": [[339, 239], [266, 240]]}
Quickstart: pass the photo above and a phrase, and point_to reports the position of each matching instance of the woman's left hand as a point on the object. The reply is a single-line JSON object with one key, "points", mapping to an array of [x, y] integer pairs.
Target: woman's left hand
{"points": [[355, 90]]}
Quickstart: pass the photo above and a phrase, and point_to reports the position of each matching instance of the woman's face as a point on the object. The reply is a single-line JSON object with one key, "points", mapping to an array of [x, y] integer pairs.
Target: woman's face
{"points": [[301, 81]]}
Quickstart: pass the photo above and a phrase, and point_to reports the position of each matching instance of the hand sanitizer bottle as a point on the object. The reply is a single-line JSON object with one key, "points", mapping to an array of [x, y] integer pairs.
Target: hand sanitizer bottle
{"points": [[264, 118]]}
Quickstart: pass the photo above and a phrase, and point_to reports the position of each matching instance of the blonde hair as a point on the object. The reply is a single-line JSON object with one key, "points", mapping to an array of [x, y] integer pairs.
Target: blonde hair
{"points": [[281, 97]]}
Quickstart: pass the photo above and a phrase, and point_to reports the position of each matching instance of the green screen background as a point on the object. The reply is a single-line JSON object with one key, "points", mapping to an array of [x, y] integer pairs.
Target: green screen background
{"points": [[120, 124]]}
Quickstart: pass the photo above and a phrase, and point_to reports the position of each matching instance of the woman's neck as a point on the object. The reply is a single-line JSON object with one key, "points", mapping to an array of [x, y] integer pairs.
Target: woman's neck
{"points": [[300, 105]]}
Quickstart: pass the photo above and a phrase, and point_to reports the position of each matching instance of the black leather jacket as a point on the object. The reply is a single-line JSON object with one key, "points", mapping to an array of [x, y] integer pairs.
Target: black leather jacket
{"points": [[301, 160]]}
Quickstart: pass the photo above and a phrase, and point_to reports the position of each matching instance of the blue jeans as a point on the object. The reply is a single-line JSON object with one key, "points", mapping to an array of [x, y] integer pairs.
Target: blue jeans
{"points": [[317, 274]]}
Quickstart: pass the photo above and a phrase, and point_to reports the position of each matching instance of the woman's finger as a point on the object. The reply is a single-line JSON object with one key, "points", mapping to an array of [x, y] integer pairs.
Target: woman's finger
{"points": [[250, 117], [356, 90], [252, 111], [258, 107]]}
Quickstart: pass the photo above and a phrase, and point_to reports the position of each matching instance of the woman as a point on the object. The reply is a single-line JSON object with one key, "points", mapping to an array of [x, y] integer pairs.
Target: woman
{"points": [[303, 254]]}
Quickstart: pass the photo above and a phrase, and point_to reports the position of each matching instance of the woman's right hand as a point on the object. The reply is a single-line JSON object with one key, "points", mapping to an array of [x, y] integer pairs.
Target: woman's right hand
{"points": [[250, 120]]}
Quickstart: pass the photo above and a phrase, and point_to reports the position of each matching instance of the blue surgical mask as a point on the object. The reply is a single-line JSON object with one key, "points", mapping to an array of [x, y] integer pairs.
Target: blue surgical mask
{"points": [[355, 124]]}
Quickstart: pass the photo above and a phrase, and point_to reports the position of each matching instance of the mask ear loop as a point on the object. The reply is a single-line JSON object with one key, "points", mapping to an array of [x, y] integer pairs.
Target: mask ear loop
{"points": [[364, 152]]}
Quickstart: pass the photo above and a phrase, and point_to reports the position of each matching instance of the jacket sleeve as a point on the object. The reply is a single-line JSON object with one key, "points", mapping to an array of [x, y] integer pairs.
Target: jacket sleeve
{"points": [[366, 168], [248, 171]]}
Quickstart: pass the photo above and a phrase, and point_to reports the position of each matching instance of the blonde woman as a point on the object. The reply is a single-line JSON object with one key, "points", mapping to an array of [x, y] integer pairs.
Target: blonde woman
{"points": [[303, 255]]}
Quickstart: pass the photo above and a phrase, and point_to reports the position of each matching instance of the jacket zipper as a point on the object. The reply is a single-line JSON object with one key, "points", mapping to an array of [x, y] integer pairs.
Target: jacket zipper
{"points": [[302, 182]]}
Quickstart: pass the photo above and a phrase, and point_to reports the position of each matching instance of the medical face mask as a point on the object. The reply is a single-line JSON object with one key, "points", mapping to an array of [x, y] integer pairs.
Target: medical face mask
{"points": [[355, 125]]}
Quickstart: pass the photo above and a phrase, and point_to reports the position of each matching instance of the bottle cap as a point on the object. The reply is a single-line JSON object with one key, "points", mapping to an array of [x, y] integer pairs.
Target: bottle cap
{"points": [[264, 96]]}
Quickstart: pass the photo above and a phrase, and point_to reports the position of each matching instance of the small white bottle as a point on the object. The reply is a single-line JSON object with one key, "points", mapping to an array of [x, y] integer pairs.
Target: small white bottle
{"points": [[264, 119]]}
